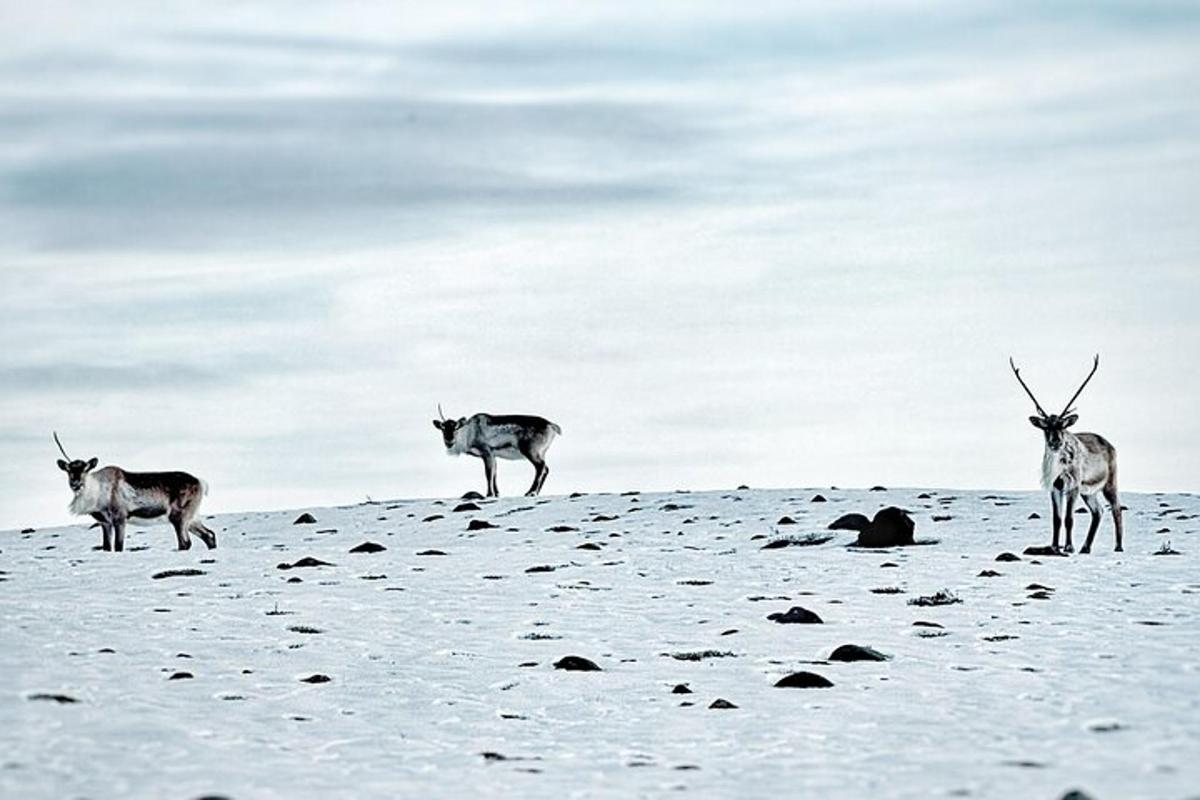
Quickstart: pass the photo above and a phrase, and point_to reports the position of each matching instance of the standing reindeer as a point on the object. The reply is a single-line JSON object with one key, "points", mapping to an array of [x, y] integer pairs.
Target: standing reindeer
{"points": [[490, 437], [1075, 464], [113, 497]]}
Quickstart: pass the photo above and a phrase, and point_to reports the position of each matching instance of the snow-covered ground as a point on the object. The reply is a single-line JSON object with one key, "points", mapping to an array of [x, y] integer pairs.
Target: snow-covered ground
{"points": [[441, 667]]}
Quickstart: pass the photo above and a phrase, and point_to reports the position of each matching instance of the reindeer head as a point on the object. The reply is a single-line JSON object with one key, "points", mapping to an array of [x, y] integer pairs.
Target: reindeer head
{"points": [[448, 427], [76, 470], [1054, 425]]}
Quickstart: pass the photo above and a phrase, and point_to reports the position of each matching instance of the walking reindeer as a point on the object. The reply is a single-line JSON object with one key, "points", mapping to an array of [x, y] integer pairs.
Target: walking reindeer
{"points": [[113, 497], [512, 436], [1074, 465]]}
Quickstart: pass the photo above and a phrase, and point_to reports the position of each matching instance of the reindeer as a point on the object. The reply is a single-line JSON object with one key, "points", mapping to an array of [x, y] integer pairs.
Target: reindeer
{"points": [[490, 437], [1075, 464], [113, 497]]}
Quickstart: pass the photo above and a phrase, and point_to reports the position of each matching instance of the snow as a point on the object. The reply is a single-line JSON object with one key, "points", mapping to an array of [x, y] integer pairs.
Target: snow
{"points": [[435, 660]]}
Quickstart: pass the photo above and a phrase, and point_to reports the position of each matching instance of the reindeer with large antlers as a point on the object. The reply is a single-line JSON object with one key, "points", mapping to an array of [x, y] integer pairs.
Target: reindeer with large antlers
{"points": [[1075, 465], [112, 497]]}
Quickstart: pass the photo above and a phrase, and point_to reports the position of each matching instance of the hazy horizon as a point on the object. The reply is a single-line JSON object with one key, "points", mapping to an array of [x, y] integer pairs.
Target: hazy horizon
{"points": [[773, 244]]}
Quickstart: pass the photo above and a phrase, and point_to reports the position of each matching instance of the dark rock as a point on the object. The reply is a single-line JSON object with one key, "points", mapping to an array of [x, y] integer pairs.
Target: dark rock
{"points": [[743, 488], [891, 527], [878, 489], [988, 573], [1035, 515], [926, 624], [61, 699], [1040, 596], [316, 678], [1076, 794], [942, 517], [818, 498], [681, 688], [431, 553], [466, 507], [307, 629], [368, 547], [721, 702], [1045, 550], [472, 495], [796, 615], [541, 568], [796, 541], [307, 561], [575, 495], [924, 496], [854, 652], [942, 598], [587, 546], [786, 521], [480, 525], [305, 519], [803, 680], [604, 518], [432, 518], [850, 522], [561, 529], [576, 664], [1006, 556], [33, 530], [177, 573], [181, 676]]}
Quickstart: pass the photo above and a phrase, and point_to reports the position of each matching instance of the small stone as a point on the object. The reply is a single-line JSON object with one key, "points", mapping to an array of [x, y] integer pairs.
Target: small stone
{"points": [[854, 652], [681, 688], [62, 699], [480, 525], [368, 547], [786, 521], [988, 573], [1006, 556], [305, 519], [472, 495], [465, 507], [316, 678], [431, 553], [177, 573], [796, 615], [576, 664], [181, 676], [803, 680], [721, 702], [818, 498]]}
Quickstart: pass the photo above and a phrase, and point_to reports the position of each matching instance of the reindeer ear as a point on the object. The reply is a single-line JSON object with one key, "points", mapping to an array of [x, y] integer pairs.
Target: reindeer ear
{"points": [[62, 465], [437, 423], [462, 421], [1070, 420], [1037, 422], [91, 464]]}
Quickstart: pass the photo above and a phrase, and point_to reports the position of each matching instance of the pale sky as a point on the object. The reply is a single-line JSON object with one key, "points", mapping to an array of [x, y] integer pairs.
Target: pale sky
{"points": [[783, 244]]}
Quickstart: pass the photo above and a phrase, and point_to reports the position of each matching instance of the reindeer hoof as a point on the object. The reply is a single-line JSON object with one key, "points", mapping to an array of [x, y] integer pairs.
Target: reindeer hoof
{"points": [[1118, 549], [1085, 550], [1069, 549]]}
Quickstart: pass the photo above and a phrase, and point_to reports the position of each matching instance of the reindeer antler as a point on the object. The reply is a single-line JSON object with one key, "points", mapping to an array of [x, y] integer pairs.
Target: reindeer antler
{"points": [[1017, 372], [1095, 366], [440, 414], [60, 447]]}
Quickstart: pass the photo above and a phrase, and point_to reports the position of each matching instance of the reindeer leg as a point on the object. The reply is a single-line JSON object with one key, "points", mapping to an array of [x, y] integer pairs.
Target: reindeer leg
{"points": [[1114, 502], [108, 535], [540, 471], [118, 526], [204, 532], [1069, 519], [1056, 504], [489, 471], [1093, 504], [182, 539]]}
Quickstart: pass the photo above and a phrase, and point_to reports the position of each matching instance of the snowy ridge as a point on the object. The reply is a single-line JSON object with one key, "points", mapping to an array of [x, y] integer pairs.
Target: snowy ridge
{"points": [[441, 677]]}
